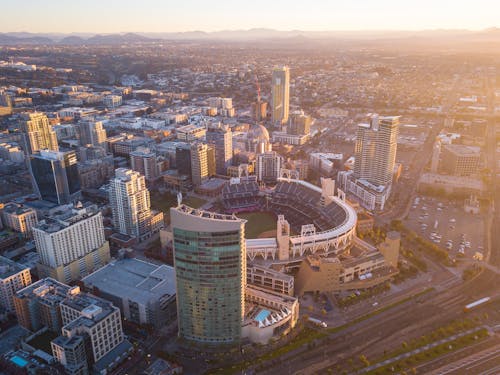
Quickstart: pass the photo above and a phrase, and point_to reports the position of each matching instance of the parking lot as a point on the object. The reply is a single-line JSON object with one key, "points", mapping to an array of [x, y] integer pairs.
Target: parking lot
{"points": [[446, 224]]}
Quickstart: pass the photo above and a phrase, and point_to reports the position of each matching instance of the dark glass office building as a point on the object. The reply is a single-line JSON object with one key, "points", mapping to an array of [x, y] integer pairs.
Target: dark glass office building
{"points": [[55, 175]]}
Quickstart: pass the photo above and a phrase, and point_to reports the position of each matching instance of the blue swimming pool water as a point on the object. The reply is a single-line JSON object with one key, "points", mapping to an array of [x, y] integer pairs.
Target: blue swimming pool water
{"points": [[21, 362], [262, 315]]}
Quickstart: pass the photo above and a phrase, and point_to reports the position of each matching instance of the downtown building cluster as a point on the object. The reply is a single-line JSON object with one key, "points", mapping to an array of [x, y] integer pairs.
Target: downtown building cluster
{"points": [[95, 173]]}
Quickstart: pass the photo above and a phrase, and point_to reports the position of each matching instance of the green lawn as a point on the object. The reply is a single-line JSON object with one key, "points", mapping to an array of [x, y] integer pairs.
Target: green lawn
{"points": [[258, 222], [163, 202], [194, 202]]}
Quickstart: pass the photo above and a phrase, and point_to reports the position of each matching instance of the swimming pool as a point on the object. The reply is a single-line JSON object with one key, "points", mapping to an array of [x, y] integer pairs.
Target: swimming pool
{"points": [[262, 315], [21, 362]]}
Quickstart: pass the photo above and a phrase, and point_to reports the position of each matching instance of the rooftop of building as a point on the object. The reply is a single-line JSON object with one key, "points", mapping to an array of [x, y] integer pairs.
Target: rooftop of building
{"points": [[47, 291], [9, 268], [463, 150], [125, 174], [143, 152], [315, 261], [189, 128], [205, 214], [67, 341], [134, 279], [327, 155], [16, 209], [92, 309], [49, 155], [135, 141], [160, 366], [262, 270], [350, 261], [64, 216], [213, 183]]}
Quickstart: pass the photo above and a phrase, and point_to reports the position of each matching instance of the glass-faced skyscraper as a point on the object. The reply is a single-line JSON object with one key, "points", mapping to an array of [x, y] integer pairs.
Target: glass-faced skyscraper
{"points": [[222, 138], [56, 175], [210, 266], [280, 95]]}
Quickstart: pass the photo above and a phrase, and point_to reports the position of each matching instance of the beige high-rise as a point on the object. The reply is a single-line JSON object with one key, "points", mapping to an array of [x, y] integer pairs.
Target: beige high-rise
{"points": [[39, 132], [280, 95], [376, 145], [130, 204]]}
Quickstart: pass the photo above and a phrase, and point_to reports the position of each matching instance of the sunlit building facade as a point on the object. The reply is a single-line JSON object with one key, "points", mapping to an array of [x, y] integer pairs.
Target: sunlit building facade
{"points": [[210, 264], [280, 95]]}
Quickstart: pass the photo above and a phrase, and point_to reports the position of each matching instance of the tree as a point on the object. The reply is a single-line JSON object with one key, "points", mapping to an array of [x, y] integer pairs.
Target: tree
{"points": [[364, 360]]}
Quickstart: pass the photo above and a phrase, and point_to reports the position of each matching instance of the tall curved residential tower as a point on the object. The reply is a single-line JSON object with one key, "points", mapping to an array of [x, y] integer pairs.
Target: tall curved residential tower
{"points": [[210, 265]]}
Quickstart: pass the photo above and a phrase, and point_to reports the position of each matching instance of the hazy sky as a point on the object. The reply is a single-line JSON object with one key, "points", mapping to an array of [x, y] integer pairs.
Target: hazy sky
{"points": [[104, 16]]}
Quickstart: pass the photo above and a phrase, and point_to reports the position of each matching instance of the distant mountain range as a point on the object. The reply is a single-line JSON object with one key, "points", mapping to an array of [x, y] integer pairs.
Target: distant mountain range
{"points": [[16, 38]]}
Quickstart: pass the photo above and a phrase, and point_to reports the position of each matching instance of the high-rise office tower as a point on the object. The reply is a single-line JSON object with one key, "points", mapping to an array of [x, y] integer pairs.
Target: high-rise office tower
{"points": [[259, 110], [40, 135], [183, 159], [143, 160], [268, 166], [222, 138], [199, 163], [210, 264], [92, 133], [280, 95], [55, 175], [211, 160], [130, 203], [71, 243], [375, 150]]}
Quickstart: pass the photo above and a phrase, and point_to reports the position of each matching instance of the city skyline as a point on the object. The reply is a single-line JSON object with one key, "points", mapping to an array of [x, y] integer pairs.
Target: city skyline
{"points": [[194, 15], [246, 199]]}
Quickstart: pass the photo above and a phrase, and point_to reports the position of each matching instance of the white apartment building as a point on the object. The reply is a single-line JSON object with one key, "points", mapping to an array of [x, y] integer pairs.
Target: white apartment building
{"points": [[268, 166], [130, 204], [91, 332], [19, 218], [13, 277], [71, 243]]}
